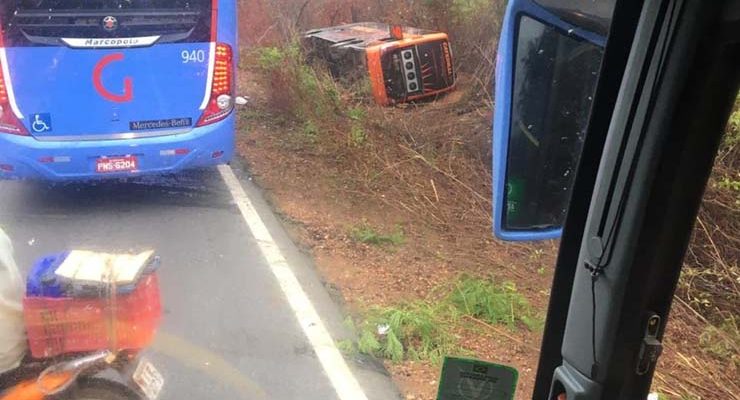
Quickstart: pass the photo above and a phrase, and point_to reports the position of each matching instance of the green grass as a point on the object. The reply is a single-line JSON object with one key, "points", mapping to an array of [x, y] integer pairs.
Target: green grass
{"points": [[494, 304], [732, 136], [723, 341], [427, 329], [357, 114], [728, 183], [357, 135], [415, 330], [310, 130], [729, 179], [364, 233], [347, 347]]}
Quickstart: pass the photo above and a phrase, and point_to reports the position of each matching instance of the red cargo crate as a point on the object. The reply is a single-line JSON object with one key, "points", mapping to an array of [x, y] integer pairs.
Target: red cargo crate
{"points": [[69, 325]]}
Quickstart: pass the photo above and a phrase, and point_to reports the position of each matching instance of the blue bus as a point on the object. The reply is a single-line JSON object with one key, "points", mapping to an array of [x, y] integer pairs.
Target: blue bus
{"points": [[115, 88], [547, 68]]}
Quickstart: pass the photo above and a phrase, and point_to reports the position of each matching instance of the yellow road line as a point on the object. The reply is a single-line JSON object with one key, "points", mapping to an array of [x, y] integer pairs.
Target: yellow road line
{"points": [[209, 363]]}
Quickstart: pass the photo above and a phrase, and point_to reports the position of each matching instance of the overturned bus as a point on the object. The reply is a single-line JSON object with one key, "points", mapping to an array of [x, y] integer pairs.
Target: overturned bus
{"points": [[403, 64]]}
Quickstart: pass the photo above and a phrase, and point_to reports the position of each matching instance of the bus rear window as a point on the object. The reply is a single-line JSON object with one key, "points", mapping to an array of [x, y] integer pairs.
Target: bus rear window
{"points": [[106, 4], [49, 22]]}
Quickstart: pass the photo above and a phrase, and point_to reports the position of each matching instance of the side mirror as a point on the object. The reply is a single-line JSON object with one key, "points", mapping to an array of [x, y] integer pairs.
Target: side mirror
{"points": [[546, 76]]}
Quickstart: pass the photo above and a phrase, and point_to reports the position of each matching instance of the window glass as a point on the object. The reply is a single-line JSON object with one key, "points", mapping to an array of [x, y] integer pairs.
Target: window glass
{"points": [[109, 4], [554, 83], [45, 22]]}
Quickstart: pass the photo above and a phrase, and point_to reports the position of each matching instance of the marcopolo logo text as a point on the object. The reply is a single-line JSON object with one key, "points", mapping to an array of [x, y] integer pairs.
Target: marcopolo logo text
{"points": [[110, 43]]}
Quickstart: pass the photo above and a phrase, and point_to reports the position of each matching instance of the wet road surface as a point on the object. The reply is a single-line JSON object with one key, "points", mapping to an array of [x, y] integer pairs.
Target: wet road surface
{"points": [[228, 331]]}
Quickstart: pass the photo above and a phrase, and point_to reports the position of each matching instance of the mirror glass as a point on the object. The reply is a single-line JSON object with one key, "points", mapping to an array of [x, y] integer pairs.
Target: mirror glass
{"points": [[555, 76]]}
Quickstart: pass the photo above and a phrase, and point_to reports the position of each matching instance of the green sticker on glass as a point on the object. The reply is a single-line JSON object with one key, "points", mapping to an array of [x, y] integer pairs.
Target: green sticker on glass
{"points": [[476, 380]]}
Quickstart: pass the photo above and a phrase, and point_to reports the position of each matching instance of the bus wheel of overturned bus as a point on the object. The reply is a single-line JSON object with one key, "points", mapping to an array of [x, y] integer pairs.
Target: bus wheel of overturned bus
{"points": [[100, 389]]}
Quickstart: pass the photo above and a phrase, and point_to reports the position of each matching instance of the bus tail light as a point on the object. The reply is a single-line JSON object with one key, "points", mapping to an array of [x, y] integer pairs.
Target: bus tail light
{"points": [[9, 123], [221, 102]]}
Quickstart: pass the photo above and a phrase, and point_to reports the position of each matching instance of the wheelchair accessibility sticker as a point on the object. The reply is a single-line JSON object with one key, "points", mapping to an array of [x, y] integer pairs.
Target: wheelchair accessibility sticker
{"points": [[41, 123]]}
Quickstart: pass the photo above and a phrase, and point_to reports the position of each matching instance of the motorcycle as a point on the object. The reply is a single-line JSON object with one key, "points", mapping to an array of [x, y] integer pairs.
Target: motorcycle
{"points": [[83, 345], [100, 375]]}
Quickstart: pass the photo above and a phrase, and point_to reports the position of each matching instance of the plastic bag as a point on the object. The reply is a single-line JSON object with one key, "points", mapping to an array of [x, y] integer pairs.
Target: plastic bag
{"points": [[12, 329]]}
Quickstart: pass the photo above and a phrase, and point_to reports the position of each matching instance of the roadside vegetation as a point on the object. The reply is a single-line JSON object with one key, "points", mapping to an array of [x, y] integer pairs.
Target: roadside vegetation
{"points": [[364, 233], [426, 329], [708, 297], [429, 166], [307, 96]]}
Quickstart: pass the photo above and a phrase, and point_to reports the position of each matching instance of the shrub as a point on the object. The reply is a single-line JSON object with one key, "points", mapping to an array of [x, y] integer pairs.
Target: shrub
{"points": [[425, 329], [297, 89], [723, 341], [495, 304]]}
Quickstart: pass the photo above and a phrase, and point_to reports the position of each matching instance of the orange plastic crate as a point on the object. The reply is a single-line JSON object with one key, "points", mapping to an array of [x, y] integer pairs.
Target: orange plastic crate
{"points": [[58, 326]]}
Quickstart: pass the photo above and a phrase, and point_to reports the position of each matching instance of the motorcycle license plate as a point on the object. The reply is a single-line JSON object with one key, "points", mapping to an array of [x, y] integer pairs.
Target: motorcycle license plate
{"points": [[148, 379]]}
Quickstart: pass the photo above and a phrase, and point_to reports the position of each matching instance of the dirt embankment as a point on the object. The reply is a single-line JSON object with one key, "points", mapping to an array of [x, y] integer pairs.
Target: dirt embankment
{"points": [[394, 204]]}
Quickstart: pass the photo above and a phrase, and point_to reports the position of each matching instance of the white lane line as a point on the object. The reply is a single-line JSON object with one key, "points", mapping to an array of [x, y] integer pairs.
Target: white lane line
{"points": [[331, 359]]}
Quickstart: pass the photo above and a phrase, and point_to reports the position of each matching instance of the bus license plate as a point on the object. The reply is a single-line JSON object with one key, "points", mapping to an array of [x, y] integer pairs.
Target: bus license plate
{"points": [[149, 380], [116, 164]]}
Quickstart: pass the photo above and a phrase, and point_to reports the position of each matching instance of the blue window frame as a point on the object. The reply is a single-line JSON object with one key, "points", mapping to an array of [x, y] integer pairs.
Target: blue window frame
{"points": [[546, 73]]}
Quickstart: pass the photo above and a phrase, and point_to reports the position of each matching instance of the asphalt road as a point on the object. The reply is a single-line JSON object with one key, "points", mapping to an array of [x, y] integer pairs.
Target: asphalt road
{"points": [[228, 331]]}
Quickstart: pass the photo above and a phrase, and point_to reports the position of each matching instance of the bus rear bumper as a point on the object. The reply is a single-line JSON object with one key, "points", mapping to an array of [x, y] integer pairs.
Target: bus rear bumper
{"points": [[23, 157]]}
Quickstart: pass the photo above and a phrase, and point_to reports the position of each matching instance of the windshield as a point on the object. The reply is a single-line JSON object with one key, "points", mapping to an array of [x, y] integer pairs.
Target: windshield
{"points": [[292, 199]]}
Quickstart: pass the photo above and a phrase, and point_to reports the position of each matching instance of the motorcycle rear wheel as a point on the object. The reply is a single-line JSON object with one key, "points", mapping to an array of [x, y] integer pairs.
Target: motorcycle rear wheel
{"points": [[100, 389]]}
